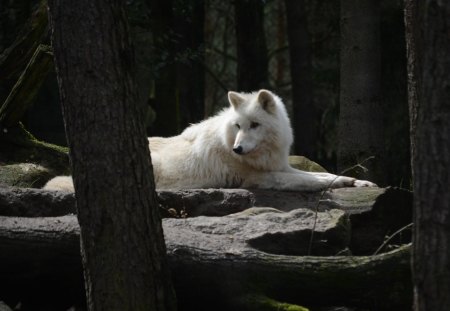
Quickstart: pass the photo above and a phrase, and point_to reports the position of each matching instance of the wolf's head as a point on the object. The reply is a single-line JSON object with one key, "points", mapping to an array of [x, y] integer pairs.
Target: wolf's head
{"points": [[258, 125]]}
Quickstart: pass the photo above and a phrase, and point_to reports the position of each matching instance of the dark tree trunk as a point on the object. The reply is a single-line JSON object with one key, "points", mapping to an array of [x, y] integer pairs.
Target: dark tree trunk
{"points": [[190, 69], [411, 35], [361, 117], [165, 98], [427, 27], [252, 67], [122, 242], [304, 119]]}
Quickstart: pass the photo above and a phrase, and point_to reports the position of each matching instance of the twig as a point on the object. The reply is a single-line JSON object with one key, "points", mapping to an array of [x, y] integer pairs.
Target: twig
{"points": [[359, 164], [316, 209], [391, 237]]}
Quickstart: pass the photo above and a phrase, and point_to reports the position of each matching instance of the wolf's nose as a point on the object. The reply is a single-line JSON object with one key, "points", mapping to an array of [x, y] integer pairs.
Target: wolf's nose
{"points": [[238, 149]]}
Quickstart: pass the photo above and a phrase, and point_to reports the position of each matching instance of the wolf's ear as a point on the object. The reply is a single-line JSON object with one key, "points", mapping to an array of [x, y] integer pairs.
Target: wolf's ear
{"points": [[267, 101], [235, 99]]}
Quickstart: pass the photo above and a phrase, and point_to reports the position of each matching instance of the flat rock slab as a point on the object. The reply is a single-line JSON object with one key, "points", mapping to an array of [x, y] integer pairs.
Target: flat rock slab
{"points": [[299, 232], [289, 233], [40, 244], [30, 202], [374, 212]]}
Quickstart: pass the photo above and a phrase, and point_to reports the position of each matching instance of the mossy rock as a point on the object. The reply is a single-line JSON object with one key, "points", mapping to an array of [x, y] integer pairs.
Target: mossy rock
{"points": [[258, 302], [305, 164], [27, 175], [28, 162]]}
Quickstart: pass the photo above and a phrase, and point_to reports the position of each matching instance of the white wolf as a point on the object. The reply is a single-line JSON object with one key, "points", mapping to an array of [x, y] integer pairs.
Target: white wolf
{"points": [[246, 145]]}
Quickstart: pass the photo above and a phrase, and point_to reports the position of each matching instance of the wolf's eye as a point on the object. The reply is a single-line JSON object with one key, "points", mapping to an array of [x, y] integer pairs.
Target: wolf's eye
{"points": [[254, 125], [238, 126]]}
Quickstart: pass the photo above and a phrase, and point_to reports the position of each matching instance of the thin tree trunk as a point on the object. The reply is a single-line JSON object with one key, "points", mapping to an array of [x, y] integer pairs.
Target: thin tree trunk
{"points": [[361, 117], [304, 119], [165, 95], [428, 41], [190, 72], [122, 242], [252, 67]]}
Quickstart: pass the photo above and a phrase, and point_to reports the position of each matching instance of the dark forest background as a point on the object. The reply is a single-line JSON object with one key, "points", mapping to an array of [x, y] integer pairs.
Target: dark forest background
{"points": [[191, 52]]}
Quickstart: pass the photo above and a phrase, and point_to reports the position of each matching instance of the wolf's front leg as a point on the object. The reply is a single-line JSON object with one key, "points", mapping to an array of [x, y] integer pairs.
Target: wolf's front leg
{"points": [[341, 181], [292, 181], [296, 180]]}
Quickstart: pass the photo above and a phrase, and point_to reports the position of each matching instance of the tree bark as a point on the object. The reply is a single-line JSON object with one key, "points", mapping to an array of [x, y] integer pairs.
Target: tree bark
{"points": [[252, 66], [411, 35], [219, 271], [361, 118], [304, 116], [122, 242], [428, 26]]}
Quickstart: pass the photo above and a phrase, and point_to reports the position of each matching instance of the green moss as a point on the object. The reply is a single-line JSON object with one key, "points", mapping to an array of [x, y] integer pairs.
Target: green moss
{"points": [[263, 303], [24, 175], [304, 164]]}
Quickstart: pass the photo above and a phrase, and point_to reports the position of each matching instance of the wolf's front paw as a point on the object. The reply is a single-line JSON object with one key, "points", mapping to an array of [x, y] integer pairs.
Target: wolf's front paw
{"points": [[363, 183], [341, 182]]}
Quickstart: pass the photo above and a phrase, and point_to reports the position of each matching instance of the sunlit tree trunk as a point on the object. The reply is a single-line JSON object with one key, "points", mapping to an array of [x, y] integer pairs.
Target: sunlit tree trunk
{"points": [[304, 118], [361, 128]]}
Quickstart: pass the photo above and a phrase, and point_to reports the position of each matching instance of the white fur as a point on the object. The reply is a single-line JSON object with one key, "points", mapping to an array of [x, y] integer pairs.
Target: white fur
{"points": [[61, 183], [202, 156]]}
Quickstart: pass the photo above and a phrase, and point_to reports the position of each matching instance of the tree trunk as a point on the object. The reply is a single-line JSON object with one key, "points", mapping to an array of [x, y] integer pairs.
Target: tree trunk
{"points": [[122, 242], [252, 66], [190, 69], [428, 42], [165, 97], [361, 118], [304, 117]]}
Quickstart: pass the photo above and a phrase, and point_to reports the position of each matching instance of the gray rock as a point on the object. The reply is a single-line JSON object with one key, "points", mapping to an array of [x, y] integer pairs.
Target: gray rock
{"points": [[271, 232]]}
